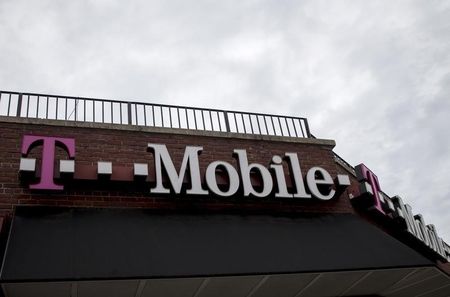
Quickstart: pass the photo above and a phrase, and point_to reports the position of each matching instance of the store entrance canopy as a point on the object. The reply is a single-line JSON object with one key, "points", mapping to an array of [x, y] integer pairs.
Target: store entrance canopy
{"points": [[79, 249]]}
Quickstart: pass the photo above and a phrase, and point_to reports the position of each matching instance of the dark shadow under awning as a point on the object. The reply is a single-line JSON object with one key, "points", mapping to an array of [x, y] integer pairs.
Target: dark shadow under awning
{"points": [[85, 244]]}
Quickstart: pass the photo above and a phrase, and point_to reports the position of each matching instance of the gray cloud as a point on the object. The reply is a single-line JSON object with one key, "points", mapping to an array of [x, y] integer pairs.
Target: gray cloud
{"points": [[374, 76]]}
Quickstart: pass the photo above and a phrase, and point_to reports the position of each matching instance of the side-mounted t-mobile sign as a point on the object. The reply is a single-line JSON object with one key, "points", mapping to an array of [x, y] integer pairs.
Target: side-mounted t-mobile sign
{"points": [[317, 184], [375, 200]]}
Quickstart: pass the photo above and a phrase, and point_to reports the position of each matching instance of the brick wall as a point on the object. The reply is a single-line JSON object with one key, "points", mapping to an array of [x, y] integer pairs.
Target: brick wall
{"points": [[125, 147]]}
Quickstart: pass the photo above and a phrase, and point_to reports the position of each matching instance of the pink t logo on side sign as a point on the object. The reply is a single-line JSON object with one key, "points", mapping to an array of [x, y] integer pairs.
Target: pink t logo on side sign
{"points": [[48, 157], [365, 174]]}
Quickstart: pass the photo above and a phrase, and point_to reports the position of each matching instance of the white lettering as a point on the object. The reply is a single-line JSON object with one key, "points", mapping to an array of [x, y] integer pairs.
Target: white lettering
{"points": [[190, 157], [318, 176], [296, 171], [281, 179], [211, 180], [319, 181], [246, 169]]}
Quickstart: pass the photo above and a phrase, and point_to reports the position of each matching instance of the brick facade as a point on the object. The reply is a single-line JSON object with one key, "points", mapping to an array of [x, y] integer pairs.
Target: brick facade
{"points": [[123, 147]]}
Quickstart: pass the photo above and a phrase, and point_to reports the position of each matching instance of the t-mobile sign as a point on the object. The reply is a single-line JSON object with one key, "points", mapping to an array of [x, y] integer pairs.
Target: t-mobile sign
{"points": [[318, 182], [375, 200]]}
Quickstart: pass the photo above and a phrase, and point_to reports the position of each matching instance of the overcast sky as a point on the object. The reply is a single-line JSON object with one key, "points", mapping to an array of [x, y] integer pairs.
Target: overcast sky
{"points": [[372, 75]]}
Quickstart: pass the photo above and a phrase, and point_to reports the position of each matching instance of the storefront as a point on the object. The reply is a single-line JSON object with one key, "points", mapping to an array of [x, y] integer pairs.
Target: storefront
{"points": [[110, 198]]}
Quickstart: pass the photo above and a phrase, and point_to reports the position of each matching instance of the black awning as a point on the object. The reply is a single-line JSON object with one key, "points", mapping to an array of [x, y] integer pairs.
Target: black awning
{"points": [[83, 244]]}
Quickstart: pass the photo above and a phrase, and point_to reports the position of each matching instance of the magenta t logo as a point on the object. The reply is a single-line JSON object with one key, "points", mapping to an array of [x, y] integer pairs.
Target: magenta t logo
{"points": [[365, 174], [48, 157]]}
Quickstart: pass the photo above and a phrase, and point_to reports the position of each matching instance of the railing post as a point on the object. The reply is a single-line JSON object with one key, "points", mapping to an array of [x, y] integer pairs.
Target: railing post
{"points": [[308, 133], [129, 113], [19, 105], [227, 124]]}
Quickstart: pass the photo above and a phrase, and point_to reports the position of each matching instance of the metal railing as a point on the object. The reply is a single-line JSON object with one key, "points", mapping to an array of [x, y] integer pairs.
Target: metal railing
{"points": [[338, 159], [41, 106]]}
